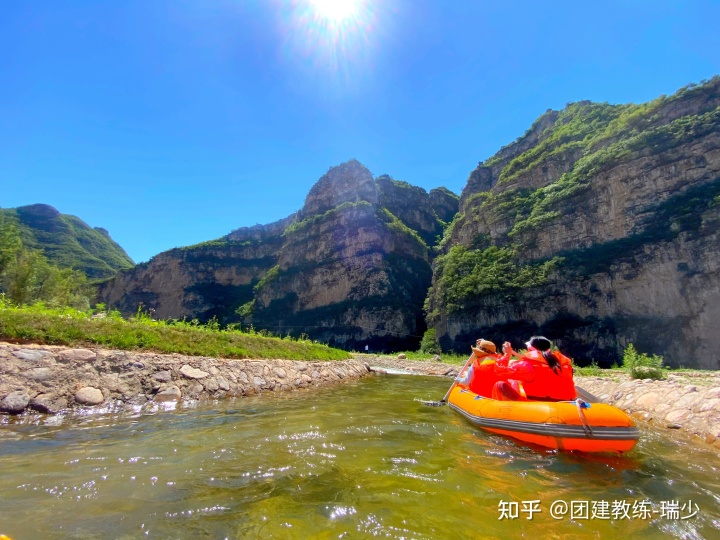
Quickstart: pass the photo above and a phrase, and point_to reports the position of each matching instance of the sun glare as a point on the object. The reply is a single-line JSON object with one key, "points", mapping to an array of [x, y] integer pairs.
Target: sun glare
{"points": [[335, 38], [336, 10]]}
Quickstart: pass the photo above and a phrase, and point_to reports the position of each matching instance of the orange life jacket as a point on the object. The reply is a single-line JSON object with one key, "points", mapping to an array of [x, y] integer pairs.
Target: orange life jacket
{"points": [[546, 384], [484, 375]]}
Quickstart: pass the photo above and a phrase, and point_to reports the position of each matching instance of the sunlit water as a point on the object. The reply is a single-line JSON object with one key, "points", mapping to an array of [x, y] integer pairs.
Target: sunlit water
{"points": [[359, 460]]}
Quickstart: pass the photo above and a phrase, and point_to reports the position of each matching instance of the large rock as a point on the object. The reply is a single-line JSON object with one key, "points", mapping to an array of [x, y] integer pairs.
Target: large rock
{"points": [[88, 395], [15, 402], [33, 355], [77, 355], [171, 393], [48, 403], [193, 373]]}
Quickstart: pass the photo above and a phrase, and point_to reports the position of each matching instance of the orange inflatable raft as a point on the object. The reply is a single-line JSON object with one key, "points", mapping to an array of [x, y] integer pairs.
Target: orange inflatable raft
{"points": [[565, 425]]}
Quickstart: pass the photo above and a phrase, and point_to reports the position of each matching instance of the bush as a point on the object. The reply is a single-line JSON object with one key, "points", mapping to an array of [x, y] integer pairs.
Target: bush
{"points": [[642, 366], [429, 344]]}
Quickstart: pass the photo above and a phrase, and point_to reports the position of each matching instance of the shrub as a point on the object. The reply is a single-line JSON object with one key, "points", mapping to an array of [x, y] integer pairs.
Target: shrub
{"points": [[642, 366], [429, 343]]}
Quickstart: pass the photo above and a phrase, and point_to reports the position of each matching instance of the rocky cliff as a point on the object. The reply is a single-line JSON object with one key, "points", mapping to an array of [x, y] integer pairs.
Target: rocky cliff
{"points": [[599, 227], [198, 282], [350, 268]]}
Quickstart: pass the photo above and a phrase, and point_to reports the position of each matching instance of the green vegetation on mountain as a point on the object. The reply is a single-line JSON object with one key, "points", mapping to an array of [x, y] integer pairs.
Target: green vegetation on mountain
{"points": [[465, 275], [68, 242], [299, 226], [27, 276], [603, 136], [544, 201]]}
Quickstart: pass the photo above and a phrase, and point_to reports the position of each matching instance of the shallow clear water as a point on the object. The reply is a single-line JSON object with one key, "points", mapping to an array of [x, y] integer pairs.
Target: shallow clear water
{"points": [[359, 460]]}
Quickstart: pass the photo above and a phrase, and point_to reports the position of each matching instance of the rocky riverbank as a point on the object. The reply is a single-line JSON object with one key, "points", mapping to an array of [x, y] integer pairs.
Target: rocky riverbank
{"points": [[51, 379], [685, 403]]}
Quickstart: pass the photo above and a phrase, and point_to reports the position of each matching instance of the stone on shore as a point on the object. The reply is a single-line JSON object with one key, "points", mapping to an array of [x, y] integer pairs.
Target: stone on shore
{"points": [[171, 393], [15, 402], [193, 373], [89, 396]]}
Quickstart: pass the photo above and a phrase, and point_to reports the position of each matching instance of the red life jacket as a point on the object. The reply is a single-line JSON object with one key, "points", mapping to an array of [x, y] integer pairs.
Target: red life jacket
{"points": [[546, 384]]}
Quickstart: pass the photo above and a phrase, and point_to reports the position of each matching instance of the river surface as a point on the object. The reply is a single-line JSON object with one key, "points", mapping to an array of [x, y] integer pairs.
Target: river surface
{"points": [[360, 460]]}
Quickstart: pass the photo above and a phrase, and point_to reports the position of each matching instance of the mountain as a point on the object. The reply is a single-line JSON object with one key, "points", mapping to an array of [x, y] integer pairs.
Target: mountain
{"points": [[350, 268], [598, 227], [67, 241]]}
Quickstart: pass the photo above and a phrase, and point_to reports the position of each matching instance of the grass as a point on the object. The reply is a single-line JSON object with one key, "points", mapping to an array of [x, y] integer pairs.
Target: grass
{"points": [[43, 325], [448, 358]]}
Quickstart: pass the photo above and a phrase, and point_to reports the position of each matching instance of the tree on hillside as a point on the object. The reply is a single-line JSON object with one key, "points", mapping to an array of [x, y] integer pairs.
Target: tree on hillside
{"points": [[26, 276], [10, 244]]}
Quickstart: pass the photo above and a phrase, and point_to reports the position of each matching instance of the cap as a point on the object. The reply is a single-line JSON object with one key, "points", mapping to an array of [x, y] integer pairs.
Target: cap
{"points": [[486, 346]]}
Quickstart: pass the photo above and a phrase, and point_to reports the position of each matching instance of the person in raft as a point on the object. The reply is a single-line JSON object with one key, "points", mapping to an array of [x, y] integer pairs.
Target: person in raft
{"points": [[479, 376], [540, 373]]}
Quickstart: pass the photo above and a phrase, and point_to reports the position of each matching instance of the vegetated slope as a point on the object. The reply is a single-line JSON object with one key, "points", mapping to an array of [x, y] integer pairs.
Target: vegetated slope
{"points": [[69, 242]]}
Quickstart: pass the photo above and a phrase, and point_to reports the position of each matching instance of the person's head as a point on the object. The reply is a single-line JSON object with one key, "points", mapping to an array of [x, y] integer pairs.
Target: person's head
{"points": [[539, 343], [543, 345], [487, 347]]}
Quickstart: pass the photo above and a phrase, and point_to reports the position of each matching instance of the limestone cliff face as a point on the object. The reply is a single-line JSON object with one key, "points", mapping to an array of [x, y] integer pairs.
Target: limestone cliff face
{"points": [[598, 230], [599, 227], [351, 268], [203, 281]]}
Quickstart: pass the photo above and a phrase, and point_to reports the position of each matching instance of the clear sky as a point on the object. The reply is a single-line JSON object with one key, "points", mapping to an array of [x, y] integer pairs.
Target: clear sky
{"points": [[172, 122]]}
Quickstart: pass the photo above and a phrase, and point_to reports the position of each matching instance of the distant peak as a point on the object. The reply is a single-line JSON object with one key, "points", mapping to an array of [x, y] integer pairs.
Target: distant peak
{"points": [[44, 210], [348, 182]]}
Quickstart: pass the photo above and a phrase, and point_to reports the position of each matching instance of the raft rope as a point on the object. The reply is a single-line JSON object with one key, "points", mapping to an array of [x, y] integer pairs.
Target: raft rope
{"points": [[583, 419]]}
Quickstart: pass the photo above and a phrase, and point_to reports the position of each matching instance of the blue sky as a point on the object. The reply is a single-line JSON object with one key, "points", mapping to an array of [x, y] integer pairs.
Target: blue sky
{"points": [[174, 122]]}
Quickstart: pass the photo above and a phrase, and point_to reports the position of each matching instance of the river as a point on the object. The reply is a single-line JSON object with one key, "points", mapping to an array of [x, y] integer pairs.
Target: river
{"points": [[359, 460]]}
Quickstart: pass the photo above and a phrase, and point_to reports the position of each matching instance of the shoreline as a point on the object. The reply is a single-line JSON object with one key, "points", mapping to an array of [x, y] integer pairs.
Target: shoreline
{"points": [[51, 379], [54, 379], [687, 404]]}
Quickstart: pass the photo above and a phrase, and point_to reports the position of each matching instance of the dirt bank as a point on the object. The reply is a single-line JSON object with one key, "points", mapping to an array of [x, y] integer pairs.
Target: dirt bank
{"points": [[51, 379]]}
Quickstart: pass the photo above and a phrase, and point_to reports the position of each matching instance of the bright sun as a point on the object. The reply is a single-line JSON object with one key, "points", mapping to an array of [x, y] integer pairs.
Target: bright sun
{"points": [[336, 10]]}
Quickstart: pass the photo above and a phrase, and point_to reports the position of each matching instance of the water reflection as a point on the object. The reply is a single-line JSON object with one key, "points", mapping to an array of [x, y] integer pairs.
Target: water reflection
{"points": [[359, 460]]}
